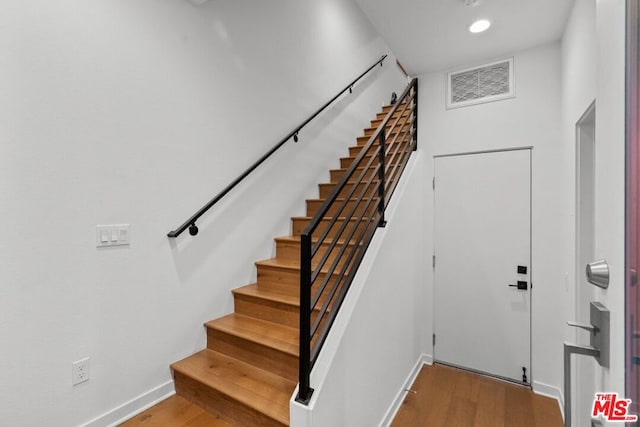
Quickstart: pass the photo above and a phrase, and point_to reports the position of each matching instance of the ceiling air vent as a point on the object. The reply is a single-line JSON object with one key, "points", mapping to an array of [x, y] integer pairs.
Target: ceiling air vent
{"points": [[489, 82]]}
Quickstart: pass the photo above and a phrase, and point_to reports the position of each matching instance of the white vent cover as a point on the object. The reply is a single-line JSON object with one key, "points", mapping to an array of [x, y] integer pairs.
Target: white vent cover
{"points": [[489, 82]]}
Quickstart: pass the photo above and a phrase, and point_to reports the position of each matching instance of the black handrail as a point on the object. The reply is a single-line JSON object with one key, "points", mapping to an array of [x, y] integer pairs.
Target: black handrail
{"points": [[349, 229], [191, 222]]}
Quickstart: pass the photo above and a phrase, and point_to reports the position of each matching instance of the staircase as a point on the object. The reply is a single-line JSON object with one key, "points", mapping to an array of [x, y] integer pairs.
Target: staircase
{"points": [[247, 373]]}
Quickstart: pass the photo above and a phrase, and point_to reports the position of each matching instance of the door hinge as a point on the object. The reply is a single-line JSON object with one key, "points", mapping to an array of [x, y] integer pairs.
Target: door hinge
{"points": [[434, 261], [434, 340], [433, 183]]}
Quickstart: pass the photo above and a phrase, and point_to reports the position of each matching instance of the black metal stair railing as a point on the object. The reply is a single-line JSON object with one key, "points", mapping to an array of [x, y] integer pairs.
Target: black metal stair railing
{"points": [[336, 239]]}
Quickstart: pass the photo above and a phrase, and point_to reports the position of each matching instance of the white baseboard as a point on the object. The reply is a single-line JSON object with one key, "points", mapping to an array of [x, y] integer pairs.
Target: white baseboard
{"points": [[425, 359], [550, 391], [133, 407]]}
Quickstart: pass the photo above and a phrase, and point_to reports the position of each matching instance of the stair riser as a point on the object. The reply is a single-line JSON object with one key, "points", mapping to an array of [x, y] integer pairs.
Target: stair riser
{"points": [[314, 205], [271, 311], [337, 174], [300, 224], [354, 151], [276, 278], [373, 151], [218, 403], [406, 117], [291, 251], [345, 162], [388, 108], [363, 140], [370, 190], [266, 358], [370, 131], [381, 116]]}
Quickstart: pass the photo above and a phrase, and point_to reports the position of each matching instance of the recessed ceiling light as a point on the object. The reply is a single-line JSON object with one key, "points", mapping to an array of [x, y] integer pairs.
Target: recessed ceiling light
{"points": [[479, 26]]}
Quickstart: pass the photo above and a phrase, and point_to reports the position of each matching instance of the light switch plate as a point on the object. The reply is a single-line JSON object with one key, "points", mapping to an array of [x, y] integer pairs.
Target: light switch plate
{"points": [[112, 235]]}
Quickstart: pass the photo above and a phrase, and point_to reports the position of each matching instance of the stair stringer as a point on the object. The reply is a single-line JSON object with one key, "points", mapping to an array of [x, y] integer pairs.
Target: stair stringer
{"points": [[340, 397]]}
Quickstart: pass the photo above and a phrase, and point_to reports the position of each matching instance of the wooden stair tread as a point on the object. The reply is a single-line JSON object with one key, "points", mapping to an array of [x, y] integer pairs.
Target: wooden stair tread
{"points": [[339, 199], [293, 265], [176, 411], [296, 239], [253, 290], [256, 388], [340, 218], [273, 335]]}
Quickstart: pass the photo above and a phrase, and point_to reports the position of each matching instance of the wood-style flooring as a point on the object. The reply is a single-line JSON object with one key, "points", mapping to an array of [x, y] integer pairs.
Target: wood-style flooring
{"points": [[444, 397], [447, 397]]}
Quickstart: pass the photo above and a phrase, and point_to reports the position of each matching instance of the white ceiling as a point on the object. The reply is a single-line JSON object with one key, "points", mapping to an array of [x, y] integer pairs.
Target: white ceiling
{"points": [[432, 35]]}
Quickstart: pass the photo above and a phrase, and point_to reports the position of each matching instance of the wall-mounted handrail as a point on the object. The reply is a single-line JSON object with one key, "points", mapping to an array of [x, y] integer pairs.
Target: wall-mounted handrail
{"points": [[333, 245], [191, 222]]}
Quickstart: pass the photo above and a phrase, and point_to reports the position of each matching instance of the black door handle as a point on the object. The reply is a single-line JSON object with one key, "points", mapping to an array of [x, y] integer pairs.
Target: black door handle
{"points": [[522, 285]]}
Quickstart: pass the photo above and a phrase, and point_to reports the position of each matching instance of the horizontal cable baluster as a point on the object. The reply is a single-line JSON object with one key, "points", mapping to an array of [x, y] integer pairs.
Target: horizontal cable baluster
{"points": [[341, 252], [344, 225], [323, 332], [344, 270], [370, 192], [343, 205]]}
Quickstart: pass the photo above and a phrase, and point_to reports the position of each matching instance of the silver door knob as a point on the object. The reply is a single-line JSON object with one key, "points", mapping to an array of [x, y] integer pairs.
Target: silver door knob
{"points": [[598, 273]]}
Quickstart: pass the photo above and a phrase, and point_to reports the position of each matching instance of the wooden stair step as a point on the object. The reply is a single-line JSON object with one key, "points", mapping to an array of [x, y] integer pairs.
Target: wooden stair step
{"points": [[270, 305], [237, 391], [269, 334], [267, 304], [381, 116], [370, 130], [288, 247], [300, 223], [271, 346], [335, 175], [387, 108], [345, 162], [385, 111], [176, 411], [313, 205], [279, 274], [354, 150], [361, 141], [370, 189]]}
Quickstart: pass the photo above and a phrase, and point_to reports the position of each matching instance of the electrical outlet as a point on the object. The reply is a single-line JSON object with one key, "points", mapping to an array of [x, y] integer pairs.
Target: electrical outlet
{"points": [[80, 371]]}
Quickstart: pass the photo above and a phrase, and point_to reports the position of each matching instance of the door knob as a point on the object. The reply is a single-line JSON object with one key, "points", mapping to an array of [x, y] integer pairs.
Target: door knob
{"points": [[598, 273]]}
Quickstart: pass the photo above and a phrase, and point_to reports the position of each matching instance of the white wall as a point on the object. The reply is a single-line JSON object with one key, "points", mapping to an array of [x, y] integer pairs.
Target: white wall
{"points": [[378, 335], [114, 111], [532, 118]]}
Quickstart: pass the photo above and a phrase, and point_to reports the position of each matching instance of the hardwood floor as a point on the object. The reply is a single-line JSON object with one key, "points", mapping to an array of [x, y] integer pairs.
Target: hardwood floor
{"points": [[175, 412], [449, 397], [444, 397]]}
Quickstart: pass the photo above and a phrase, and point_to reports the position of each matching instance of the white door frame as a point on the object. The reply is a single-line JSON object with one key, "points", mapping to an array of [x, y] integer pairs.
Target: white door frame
{"points": [[530, 373], [584, 369]]}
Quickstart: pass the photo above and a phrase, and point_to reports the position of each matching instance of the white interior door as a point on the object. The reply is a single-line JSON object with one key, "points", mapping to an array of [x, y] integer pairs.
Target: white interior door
{"points": [[482, 234]]}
